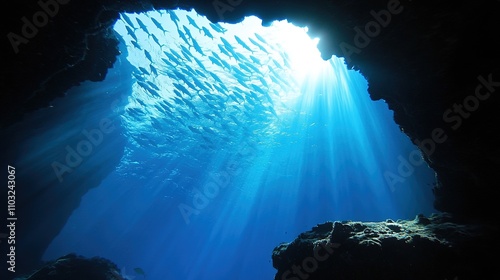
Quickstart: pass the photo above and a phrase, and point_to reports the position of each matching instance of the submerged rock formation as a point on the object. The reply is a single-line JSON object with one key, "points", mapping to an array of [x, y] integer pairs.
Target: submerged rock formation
{"points": [[436, 65], [435, 247], [77, 268]]}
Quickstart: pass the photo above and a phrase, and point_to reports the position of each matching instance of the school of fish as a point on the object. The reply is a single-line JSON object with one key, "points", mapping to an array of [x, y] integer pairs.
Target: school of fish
{"points": [[215, 94]]}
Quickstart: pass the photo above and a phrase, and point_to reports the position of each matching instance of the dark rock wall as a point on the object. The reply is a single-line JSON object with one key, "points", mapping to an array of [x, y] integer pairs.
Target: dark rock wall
{"points": [[426, 61], [59, 153], [43, 202], [433, 247], [78, 268]]}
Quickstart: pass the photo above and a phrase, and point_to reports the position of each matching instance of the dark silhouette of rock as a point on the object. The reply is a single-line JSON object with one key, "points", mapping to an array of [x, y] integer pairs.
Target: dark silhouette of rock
{"points": [[76, 267], [435, 247]]}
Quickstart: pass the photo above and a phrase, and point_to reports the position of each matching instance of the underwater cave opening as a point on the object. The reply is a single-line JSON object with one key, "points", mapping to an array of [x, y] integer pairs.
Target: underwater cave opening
{"points": [[239, 137]]}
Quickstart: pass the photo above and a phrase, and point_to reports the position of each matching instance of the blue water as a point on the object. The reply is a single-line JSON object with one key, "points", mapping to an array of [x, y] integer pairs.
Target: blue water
{"points": [[208, 192]]}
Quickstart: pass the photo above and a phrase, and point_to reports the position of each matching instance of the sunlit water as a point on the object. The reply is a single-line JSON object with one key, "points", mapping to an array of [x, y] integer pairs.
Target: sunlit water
{"points": [[261, 147]]}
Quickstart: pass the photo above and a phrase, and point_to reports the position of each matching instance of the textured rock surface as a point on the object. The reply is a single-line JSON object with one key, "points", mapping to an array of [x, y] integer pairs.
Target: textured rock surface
{"points": [[77, 268], [435, 247], [426, 61]]}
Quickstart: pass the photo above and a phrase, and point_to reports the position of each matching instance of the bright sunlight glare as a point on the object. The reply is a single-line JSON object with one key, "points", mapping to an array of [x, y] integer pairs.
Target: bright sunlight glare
{"points": [[305, 58], [302, 50]]}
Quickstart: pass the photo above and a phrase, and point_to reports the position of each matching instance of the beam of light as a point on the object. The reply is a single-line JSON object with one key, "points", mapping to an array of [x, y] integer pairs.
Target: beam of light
{"points": [[319, 149]]}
